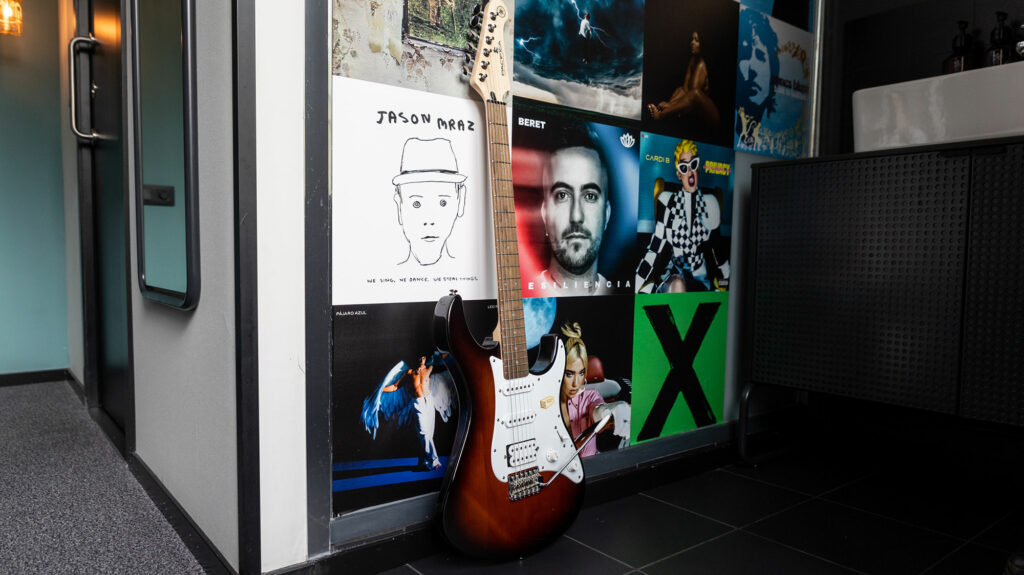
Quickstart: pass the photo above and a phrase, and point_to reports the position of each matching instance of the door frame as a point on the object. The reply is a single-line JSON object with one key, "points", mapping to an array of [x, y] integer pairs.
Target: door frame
{"points": [[123, 439]]}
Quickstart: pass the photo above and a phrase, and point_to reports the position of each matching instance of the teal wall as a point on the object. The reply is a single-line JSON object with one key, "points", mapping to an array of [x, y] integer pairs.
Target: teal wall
{"points": [[33, 297]]}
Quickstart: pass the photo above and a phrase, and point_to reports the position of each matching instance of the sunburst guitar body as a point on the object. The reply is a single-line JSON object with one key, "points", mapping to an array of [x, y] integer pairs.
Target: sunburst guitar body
{"points": [[514, 481]]}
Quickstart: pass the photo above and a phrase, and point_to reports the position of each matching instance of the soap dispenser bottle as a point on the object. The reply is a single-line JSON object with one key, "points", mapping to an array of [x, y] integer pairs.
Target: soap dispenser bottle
{"points": [[963, 51], [1000, 50]]}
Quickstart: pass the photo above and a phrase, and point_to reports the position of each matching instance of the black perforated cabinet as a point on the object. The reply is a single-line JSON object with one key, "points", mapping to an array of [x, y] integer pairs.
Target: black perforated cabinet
{"points": [[858, 271], [993, 360]]}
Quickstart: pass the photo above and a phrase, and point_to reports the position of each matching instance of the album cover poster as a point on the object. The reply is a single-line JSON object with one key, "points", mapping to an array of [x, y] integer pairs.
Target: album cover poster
{"points": [[410, 196], [795, 12], [394, 407], [586, 55], [679, 364], [689, 57], [773, 77], [597, 333], [684, 220], [416, 44], [575, 197]]}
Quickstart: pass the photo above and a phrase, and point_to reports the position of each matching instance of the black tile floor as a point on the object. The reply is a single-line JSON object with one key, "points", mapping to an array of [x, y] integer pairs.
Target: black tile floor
{"points": [[821, 510]]}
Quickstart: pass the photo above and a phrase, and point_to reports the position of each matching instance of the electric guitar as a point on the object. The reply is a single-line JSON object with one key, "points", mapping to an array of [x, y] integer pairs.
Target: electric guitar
{"points": [[514, 480]]}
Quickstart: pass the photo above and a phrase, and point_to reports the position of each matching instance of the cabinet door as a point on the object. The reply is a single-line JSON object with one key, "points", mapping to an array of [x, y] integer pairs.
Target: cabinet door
{"points": [[858, 277], [993, 360]]}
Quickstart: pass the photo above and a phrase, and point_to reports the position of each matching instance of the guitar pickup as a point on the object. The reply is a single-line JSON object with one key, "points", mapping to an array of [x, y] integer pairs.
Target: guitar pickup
{"points": [[516, 419], [521, 453], [518, 386]]}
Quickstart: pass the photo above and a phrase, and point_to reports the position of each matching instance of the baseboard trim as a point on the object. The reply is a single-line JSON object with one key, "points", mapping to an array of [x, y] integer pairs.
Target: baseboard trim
{"points": [[374, 556], [114, 433], [26, 377], [195, 539], [191, 535], [76, 386], [410, 542]]}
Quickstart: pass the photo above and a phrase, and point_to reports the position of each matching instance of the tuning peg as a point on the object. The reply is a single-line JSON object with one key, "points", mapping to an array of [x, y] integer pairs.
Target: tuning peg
{"points": [[475, 20], [476, 9], [465, 70], [473, 35]]}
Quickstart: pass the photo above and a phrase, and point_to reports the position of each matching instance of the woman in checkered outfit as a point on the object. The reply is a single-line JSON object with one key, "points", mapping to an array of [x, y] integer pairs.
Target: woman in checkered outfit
{"points": [[688, 222]]}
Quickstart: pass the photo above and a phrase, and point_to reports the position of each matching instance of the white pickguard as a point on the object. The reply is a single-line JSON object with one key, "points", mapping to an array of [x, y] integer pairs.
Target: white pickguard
{"points": [[528, 425]]}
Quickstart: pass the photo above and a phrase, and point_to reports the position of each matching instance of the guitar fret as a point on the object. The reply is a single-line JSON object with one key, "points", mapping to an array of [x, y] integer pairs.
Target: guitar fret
{"points": [[510, 303]]}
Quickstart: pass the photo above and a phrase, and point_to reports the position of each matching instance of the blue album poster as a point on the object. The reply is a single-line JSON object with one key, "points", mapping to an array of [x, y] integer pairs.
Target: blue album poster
{"points": [[575, 197], [585, 54], [689, 57], [597, 380], [773, 76], [795, 12], [394, 405], [684, 219]]}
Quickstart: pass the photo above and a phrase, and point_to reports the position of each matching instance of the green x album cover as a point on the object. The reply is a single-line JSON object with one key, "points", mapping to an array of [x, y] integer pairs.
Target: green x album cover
{"points": [[678, 362]]}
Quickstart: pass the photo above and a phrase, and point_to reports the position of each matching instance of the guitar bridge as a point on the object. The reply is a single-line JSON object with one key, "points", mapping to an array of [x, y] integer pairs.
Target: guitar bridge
{"points": [[523, 483]]}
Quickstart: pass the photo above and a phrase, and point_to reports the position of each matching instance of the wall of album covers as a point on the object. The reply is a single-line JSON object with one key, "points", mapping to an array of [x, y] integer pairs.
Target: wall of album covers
{"points": [[636, 108]]}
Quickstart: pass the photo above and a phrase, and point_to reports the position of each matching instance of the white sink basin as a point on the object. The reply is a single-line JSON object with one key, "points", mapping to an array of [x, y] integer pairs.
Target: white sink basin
{"points": [[971, 105]]}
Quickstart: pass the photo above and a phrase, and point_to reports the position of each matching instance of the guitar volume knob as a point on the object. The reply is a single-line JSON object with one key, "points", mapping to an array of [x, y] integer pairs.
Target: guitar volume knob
{"points": [[551, 455]]}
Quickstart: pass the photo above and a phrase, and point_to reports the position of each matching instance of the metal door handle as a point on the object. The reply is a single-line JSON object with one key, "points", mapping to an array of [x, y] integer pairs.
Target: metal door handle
{"points": [[72, 50]]}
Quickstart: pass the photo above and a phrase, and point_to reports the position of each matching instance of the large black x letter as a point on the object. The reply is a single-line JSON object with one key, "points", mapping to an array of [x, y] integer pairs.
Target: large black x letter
{"points": [[680, 379]]}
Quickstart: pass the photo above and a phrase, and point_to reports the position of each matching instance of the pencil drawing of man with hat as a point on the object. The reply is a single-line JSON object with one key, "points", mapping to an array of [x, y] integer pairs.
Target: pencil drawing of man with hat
{"points": [[430, 194]]}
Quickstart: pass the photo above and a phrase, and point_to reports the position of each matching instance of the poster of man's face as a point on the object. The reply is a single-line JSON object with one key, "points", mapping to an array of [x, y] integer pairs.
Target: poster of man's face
{"points": [[689, 56], [575, 198], [795, 12], [411, 212], [586, 54], [773, 75]]}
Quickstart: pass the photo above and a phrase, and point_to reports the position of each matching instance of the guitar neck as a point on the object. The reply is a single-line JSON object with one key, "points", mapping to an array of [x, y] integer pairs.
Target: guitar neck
{"points": [[506, 245]]}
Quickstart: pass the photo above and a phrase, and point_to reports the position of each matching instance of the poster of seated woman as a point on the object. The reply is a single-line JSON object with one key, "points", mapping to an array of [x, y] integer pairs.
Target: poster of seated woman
{"points": [[689, 60]]}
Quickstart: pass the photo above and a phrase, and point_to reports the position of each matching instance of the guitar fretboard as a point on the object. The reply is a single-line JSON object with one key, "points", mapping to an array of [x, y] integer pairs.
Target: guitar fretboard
{"points": [[506, 245]]}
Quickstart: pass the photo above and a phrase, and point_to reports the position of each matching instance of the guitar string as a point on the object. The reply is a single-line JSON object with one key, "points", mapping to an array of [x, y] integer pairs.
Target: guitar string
{"points": [[509, 311], [500, 242]]}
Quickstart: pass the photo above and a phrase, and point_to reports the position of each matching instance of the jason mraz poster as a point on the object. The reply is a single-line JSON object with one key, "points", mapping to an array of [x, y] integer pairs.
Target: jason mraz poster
{"points": [[410, 206]]}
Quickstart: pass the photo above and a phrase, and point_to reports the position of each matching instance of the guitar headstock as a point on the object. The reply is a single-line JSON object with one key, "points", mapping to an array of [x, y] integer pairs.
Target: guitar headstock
{"points": [[490, 71]]}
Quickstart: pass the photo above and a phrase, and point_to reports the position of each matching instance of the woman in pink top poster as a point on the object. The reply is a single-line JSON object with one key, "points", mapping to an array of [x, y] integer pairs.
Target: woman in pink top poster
{"points": [[578, 402]]}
